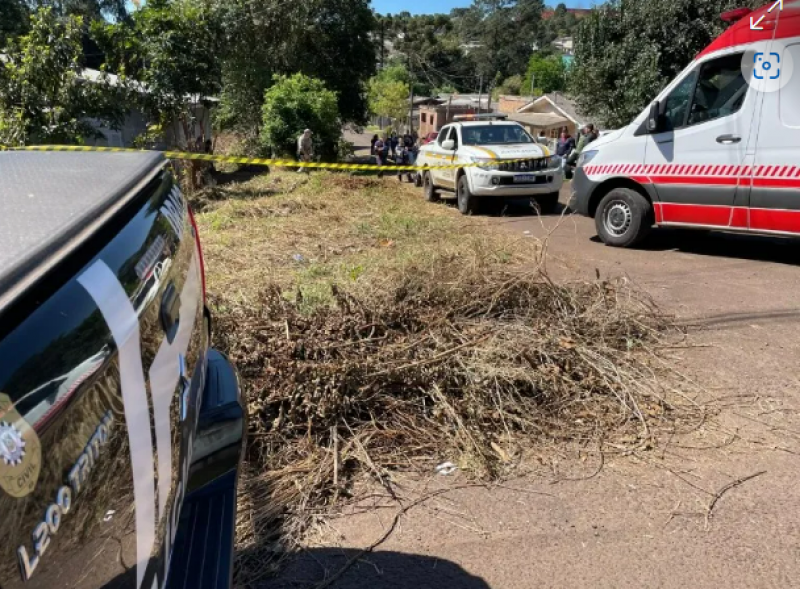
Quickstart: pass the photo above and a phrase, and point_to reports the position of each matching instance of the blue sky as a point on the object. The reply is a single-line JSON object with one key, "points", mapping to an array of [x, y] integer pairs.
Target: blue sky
{"points": [[439, 6]]}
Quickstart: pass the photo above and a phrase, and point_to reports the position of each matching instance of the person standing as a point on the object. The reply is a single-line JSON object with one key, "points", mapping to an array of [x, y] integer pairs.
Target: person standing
{"points": [[305, 148], [372, 143], [378, 153], [565, 145]]}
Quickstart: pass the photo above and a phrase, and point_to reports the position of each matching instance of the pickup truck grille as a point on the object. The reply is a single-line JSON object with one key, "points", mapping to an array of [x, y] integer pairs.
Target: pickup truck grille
{"points": [[532, 165]]}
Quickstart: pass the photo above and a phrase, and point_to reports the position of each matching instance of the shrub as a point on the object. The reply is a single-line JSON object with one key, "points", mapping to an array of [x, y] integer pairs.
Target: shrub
{"points": [[295, 103]]}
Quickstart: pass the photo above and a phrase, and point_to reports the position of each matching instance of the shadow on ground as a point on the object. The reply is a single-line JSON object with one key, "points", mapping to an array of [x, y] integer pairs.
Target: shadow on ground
{"points": [[379, 570], [720, 244]]}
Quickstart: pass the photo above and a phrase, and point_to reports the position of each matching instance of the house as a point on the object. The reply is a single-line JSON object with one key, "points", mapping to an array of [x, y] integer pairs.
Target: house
{"points": [[434, 116], [578, 12], [565, 45], [135, 123], [549, 113]]}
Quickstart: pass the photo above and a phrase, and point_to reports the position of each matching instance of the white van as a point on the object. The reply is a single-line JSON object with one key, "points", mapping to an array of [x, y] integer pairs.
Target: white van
{"points": [[714, 150]]}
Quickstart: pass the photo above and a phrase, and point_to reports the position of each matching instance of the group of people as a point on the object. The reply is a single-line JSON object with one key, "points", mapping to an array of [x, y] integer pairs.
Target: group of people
{"points": [[403, 150], [568, 148]]}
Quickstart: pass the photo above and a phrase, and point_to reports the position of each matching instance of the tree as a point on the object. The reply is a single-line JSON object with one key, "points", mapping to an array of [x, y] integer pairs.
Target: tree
{"points": [[171, 48], [14, 20], [325, 39], [388, 98], [547, 74], [42, 95], [295, 103], [627, 50], [511, 86]]}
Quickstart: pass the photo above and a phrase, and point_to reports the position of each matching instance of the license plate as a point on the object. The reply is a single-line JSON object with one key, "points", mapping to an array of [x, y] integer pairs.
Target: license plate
{"points": [[524, 178]]}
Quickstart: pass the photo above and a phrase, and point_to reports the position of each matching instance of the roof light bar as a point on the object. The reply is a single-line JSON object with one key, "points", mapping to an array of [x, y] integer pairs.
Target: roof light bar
{"points": [[481, 117]]}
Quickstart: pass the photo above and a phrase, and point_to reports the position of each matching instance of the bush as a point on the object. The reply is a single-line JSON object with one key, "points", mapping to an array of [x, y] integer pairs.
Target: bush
{"points": [[296, 103]]}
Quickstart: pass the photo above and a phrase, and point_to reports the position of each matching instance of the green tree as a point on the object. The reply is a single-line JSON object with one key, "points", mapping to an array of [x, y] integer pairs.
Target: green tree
{"points": [[389, 98], [547, 74], [14, 20], [42, 96], [172, 48], [293, 104], [627, 50], [326, 39], [511, 86]]}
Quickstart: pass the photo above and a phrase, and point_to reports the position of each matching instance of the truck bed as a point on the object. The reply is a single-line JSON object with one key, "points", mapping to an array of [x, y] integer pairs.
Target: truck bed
{"points": [[48, 199]]}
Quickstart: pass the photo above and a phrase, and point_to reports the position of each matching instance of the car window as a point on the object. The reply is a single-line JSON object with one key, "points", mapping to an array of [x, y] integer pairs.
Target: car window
{"points": [[677, 103], [454, 137], [720, 91], [442, 135], [495, 134]]}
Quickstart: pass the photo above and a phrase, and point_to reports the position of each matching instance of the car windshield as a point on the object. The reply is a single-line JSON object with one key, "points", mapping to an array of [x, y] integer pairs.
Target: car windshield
{"points": [[494, 135]]}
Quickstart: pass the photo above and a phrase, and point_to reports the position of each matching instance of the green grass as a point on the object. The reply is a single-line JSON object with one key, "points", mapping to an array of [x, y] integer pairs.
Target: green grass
{"points": [[307, 232]]}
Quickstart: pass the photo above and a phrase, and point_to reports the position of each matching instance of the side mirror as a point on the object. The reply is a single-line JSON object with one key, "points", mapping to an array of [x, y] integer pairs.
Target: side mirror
{"points": [[449, 145], [654, 118]]}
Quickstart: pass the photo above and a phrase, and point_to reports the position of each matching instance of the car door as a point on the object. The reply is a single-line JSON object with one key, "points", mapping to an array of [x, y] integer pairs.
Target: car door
{"points": [[439, 155], [450, 157], [698, 162], [775, 192]]}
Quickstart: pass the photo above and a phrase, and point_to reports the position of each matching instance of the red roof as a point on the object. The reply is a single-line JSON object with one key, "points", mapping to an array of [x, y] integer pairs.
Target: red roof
{"points": [[740, 32], [578, 12]]}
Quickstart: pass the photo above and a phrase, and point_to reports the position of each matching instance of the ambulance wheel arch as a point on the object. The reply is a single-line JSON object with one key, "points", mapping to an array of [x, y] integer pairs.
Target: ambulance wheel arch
{"points": [[624, 217], [603, 189]]}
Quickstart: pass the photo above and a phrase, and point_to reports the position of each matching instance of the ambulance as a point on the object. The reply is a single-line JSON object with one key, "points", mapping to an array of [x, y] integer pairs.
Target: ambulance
{"points": [[719, 147], [484, 157]]}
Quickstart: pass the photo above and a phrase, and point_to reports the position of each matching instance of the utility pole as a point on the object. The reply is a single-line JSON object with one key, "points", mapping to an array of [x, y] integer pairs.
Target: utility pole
{"points": [[447, 113], [480, 94], [532, 79], [410, 85], [383, 43], [411, 110]]}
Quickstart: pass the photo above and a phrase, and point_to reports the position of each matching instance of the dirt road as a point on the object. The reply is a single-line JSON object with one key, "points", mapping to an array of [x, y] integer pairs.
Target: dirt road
{"points": [[642, 520]]}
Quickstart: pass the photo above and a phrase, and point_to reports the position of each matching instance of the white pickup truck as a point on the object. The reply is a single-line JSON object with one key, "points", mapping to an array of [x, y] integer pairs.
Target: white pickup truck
{"points": [[500, 160]]}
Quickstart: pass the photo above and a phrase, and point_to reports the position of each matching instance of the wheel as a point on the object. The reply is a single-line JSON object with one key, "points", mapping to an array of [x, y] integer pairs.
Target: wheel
{"points": [[417, 180], [431, 194], [467, 202], [547, 203], [623, 218]]}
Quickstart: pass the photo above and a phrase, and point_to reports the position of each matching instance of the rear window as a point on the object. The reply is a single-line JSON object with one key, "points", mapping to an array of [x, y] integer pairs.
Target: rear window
{"points": [[494, 135], [789, 101]]}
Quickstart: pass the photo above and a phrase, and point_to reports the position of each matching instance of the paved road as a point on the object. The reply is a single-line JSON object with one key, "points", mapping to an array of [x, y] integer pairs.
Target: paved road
{"points": [[638, 523]]}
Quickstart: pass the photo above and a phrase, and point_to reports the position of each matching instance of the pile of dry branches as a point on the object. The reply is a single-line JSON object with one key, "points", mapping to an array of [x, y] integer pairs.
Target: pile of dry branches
{"points": [[468, 364]]}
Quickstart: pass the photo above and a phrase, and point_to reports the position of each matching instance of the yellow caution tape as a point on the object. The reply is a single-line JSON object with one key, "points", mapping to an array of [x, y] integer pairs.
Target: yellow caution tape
{"points": [[187, 155]]}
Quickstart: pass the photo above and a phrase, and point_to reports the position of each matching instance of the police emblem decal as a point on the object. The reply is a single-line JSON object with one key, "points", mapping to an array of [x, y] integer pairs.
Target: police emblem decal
{"points": [[20, 451], [12, 445]]}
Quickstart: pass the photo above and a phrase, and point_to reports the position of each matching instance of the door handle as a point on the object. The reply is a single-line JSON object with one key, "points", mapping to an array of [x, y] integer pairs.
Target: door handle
{"points": [[170, 311], [728, 139]]}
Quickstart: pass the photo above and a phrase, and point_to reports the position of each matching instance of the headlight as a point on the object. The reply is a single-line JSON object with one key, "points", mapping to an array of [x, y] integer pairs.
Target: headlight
{"points": [[585, 157], [485, 163], [554, 161]]}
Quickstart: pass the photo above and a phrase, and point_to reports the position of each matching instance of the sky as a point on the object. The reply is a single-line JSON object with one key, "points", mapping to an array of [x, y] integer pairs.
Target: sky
{"points": [[444, 6]]}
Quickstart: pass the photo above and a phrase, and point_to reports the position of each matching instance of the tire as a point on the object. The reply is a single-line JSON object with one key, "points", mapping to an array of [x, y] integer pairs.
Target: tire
{"points": [[418, 180], [431, 194], [623, 218], [468, 203], [547, 203]]}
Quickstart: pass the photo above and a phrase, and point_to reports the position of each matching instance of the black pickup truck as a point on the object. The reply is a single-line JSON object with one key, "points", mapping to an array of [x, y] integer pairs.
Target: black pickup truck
{"points": [[121, 430]]}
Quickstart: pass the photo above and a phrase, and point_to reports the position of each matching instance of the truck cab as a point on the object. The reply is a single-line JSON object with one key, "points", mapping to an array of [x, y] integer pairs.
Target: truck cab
{"points": [[480, 158], [719, 147]]}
